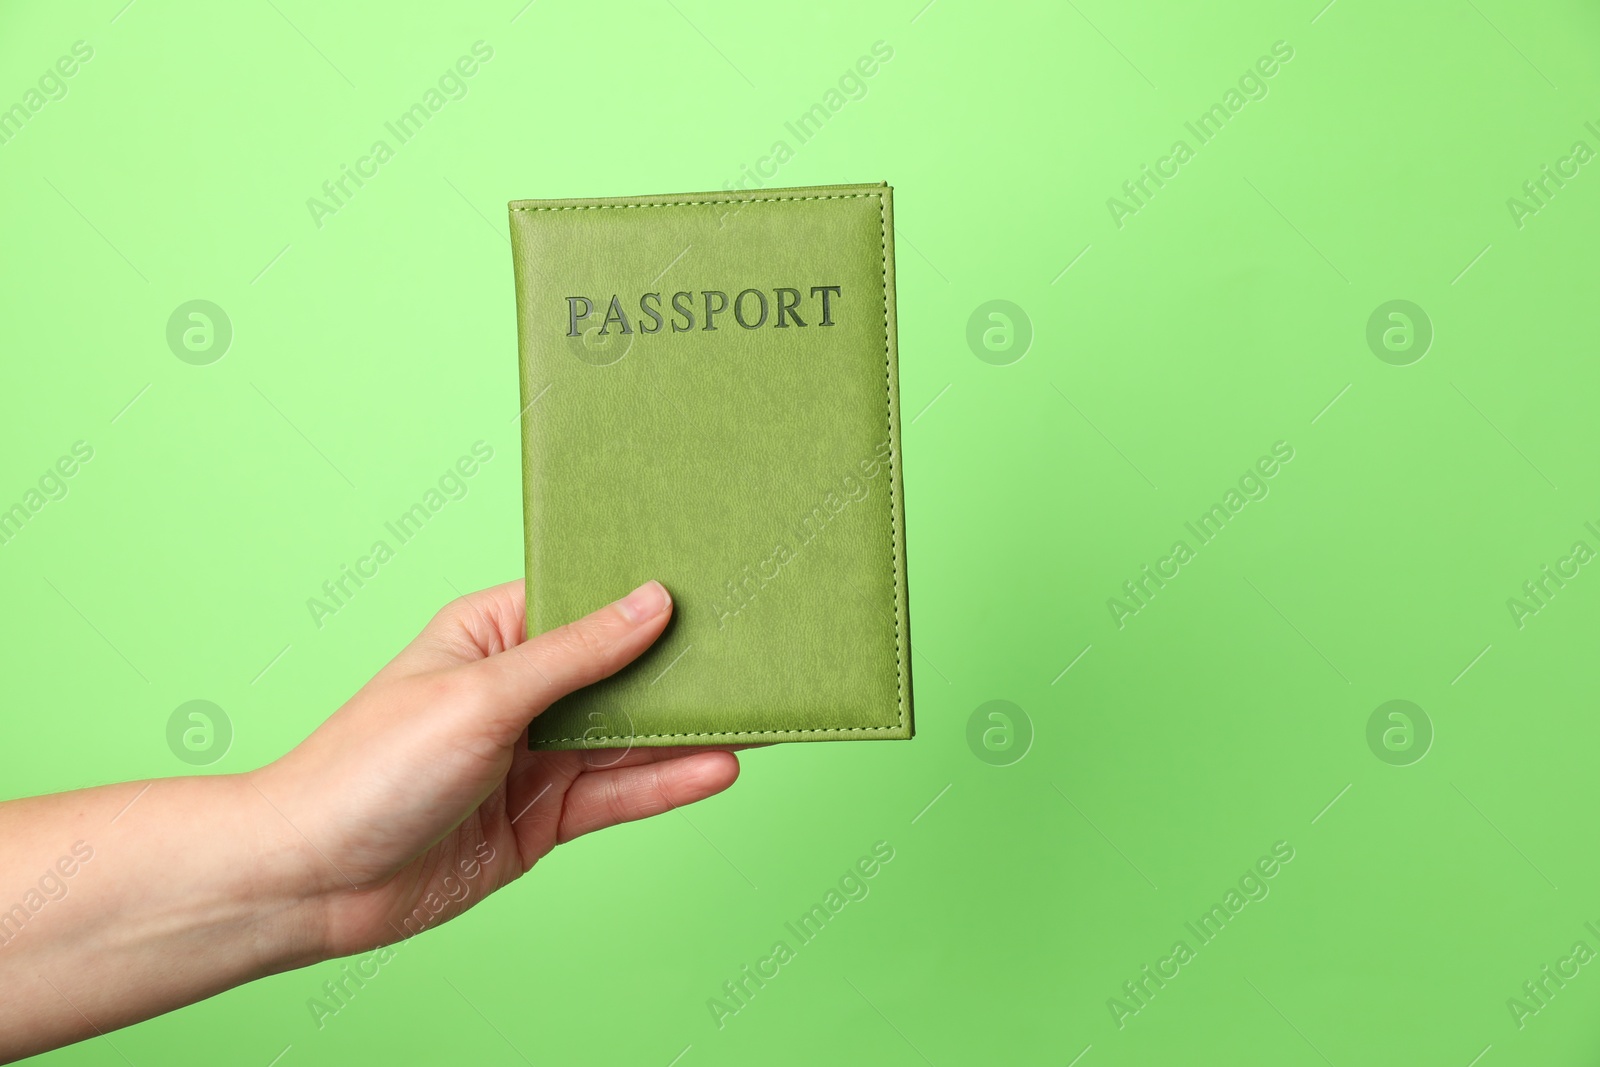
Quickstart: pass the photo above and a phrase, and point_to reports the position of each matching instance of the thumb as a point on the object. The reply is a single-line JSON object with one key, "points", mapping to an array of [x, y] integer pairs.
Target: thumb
{"points": [[527, 678]]}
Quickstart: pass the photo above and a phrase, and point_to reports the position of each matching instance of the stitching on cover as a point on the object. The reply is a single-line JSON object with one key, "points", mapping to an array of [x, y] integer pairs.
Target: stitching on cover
{"points": [[698, 203], [888, 403], [721, 733], [894, 528]]}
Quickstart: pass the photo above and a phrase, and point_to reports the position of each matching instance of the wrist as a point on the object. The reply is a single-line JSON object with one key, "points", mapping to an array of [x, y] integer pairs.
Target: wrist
{"points": [[280, 875]]}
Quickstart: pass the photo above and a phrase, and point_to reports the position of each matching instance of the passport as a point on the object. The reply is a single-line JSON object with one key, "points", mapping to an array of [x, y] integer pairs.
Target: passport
{"points": [[710, 398]]}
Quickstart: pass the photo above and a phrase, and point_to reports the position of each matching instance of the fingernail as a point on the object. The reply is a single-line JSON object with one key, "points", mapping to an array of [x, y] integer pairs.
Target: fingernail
{"points": [[645, 602]]}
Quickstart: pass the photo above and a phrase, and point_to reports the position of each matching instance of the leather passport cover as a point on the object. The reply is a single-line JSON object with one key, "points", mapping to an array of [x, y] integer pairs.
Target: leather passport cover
{"points": [[710, 399]]}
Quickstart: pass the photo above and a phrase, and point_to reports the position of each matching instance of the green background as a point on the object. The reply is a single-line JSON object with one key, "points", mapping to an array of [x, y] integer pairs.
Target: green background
{"points": [[1228, 313]]}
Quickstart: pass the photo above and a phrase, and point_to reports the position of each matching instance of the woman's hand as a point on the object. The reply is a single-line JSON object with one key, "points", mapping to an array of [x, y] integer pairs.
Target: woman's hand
{"points": [[420, 795], [410, 804]]}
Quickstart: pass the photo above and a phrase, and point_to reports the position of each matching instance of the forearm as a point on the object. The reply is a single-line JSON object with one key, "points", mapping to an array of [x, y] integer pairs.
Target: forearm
{"points": [[122, 902]]}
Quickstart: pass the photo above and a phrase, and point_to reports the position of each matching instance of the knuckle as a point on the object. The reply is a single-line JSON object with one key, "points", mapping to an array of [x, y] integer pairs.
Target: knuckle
{"points": [[448, 616], [614, 802], [660, 801], [585, 642], [481, 619]]}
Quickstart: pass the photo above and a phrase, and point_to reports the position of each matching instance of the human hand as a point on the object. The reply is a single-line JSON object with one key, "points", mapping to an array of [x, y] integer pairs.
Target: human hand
{"points": [[419, 796]]}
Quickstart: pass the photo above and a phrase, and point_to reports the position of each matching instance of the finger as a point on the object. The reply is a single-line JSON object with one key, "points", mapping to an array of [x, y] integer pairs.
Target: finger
{"points": [[600, 799], [538, 776], [493, 618], [534, 796], [470, 627], [538, 782], [601, 759], [528, 677], [535, 763], [607, 759]]}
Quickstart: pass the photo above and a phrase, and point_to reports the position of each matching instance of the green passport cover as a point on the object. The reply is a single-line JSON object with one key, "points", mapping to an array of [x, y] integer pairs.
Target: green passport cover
{"points": [[710, 398]]}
